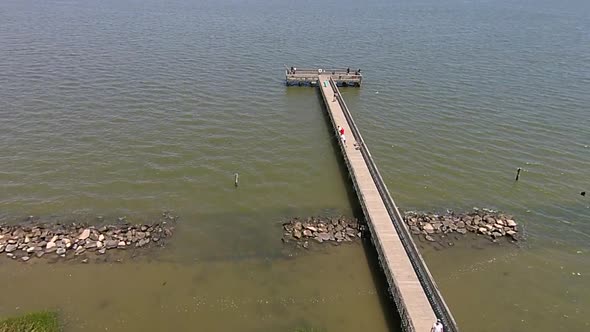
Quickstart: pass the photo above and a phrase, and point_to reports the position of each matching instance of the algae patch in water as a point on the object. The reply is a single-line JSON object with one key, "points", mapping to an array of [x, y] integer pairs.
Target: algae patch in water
{"points": [[44, 321], [308, 329]]}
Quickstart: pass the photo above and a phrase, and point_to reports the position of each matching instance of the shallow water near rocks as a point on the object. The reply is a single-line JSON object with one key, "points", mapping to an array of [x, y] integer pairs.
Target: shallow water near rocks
{"points": [[247, 294], [133, 107]]}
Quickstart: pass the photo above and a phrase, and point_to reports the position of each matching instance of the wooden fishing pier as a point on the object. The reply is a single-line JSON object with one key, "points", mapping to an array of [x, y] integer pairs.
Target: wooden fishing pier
{"points": [[417, 298]]}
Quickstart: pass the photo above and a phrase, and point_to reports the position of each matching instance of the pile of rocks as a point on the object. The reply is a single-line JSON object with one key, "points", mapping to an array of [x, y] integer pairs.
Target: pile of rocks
{"points": [[322, 229], [36, 239], [486, 222]]}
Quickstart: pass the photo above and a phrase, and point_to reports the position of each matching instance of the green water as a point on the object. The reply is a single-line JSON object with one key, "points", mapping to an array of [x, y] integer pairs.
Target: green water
{"points": [[133, 107]]}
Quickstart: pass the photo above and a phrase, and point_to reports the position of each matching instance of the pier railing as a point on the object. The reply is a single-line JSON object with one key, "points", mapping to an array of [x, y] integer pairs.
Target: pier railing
{"points": [[310, 77], [433, 294], [333, 71]]}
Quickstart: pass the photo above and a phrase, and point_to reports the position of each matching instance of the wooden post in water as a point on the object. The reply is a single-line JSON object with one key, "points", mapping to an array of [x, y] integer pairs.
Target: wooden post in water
{"points": [[518, 173]]}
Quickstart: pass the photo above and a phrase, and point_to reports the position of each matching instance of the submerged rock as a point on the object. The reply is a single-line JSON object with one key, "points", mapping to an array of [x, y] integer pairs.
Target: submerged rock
{"points": [[429, 238]]}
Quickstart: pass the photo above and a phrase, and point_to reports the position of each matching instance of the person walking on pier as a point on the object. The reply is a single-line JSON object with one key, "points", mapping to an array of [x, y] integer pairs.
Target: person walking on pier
{"points": [[341, 134], [437, 327], [343, 138]]}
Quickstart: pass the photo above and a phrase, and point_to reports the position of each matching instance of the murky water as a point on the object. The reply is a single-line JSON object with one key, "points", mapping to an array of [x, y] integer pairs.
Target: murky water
{"points": [[132, 107], [252, 294]]}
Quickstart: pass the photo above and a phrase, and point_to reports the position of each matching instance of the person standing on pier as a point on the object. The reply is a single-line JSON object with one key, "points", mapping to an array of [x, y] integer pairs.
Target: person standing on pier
{"points": [[341, 130], [437, 327], [348, 70]]}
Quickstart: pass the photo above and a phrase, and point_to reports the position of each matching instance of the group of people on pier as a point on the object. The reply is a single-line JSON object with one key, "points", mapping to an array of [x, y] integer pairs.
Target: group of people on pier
{"points": [[356, 72]]}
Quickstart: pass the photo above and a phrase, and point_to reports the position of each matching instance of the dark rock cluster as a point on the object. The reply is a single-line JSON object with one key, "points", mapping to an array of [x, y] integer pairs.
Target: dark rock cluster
{"points": [[35, 239], [485, 222], [322, 229]]}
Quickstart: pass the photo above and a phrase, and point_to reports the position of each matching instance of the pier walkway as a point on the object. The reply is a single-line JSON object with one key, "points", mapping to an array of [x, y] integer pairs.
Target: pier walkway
{"points": [[417, 298]]}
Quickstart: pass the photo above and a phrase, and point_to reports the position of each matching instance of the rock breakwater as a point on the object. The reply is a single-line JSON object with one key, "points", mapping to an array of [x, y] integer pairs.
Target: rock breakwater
{"points": [[36, 240], [486, 222], [322, 229]]}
